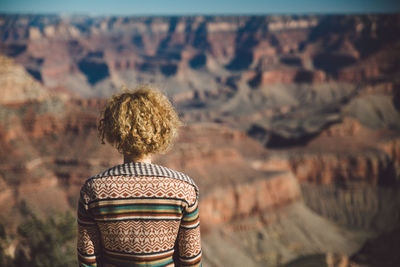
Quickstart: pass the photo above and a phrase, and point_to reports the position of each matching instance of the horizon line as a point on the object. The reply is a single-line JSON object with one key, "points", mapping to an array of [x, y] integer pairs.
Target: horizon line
{"points": [[227, 14]]}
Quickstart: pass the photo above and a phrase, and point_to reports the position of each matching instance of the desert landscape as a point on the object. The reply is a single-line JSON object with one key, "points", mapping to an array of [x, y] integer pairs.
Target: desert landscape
{"points": [[291, 127]]}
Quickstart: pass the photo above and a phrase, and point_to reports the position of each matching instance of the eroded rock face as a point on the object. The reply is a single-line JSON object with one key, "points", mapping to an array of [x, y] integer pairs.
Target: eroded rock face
{"points": [[16, 85], [371, 167], [249, 199]]}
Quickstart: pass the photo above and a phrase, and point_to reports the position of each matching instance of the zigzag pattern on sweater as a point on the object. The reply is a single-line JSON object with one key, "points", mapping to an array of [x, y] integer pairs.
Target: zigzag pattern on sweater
{"points": [[139, 236], [140, 169], [136, 187], [190, 242]]}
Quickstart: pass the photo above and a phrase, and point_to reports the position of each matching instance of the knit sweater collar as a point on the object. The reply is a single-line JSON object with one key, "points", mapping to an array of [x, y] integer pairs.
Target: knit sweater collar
{"points": [[142, 169]]}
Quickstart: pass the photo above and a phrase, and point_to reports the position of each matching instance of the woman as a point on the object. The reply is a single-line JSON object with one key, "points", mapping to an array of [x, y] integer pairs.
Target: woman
{"points": [[138, 213]]}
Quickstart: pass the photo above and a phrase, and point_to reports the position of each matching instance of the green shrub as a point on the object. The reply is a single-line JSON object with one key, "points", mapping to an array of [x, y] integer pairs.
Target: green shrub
{"points": [[46, 242], [5, 260]]}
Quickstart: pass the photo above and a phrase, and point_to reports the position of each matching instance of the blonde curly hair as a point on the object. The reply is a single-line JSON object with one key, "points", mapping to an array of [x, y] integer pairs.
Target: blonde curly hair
{"points": [[139, 122]]}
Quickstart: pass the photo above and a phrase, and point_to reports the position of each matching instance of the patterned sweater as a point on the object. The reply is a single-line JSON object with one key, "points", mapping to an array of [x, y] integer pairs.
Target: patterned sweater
{"points": [[139, 214]]}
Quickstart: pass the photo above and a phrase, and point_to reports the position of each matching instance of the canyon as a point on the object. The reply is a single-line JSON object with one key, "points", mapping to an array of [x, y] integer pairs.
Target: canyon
{"points": [[292, 126]]}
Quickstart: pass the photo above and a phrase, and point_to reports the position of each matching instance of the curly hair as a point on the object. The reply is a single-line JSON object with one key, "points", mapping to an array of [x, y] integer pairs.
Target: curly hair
{"points": [[139, 122]]}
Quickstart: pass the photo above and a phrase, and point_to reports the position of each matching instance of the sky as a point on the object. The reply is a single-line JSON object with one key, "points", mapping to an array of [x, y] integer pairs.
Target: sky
{"points": [[198, 7]]}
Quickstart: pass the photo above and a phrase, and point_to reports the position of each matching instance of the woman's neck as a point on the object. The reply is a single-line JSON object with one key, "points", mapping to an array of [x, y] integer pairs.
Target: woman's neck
{"points": [[144, 158]]}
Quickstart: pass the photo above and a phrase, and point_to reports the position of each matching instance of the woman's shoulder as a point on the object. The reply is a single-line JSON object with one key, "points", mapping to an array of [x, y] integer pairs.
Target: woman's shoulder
{"points": [[142, 169]]}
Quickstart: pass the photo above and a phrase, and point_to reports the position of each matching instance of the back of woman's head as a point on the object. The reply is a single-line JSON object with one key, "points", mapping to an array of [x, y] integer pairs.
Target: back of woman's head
{"points": [[139, 122]]}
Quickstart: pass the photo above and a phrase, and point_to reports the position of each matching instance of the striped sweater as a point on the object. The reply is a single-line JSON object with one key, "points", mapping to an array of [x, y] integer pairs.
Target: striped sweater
{"points": [[139, 214]]}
